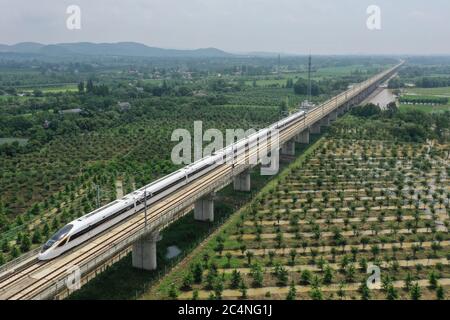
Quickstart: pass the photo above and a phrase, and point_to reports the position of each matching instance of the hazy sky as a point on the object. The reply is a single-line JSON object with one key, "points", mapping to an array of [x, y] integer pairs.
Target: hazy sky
{"points": [[294, 26]]}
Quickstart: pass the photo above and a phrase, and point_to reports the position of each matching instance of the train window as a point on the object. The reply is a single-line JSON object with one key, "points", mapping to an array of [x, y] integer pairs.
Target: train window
{"points": [[62, 242], [61, 233], [47, 245], [79, 234], [57, 236]]}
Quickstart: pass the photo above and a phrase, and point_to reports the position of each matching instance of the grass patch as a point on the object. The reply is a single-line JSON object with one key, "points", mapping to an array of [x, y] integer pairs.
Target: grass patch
{"points": [[21, 141], [54, 89], [441, 91], [424, 108]]}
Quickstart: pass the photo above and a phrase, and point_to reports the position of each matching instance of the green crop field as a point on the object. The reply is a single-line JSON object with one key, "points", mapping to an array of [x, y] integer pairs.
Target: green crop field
{"points": [[11, 140], [418, 94], [443, 91], [357, 197], [53, 88], [424, 108], [312, 232]]}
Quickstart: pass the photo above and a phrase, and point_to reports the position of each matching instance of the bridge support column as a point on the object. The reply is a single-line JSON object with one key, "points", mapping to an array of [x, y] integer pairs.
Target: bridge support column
{"points": [[288, 148], [315, 128], [325, 121], [350, 104], [303, 137], [144, 252], [242, 181], [333, 115], [204, 208]]}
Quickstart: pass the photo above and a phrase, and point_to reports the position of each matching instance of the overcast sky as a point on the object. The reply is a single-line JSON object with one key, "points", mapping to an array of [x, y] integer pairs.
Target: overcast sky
{"points": [[291, 26]]}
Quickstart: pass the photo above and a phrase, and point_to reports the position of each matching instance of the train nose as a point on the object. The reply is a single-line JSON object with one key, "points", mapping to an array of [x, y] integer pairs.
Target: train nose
{"points": [[45, 254], [42, 256]]}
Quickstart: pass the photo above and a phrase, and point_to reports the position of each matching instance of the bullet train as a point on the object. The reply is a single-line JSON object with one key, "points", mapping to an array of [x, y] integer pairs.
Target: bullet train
{"points": [[90, 225]]}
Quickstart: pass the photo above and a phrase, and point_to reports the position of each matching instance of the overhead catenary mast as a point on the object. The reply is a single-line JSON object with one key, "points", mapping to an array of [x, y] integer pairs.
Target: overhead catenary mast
{"points": [[278, 64], [309, 78], [307, 104]]}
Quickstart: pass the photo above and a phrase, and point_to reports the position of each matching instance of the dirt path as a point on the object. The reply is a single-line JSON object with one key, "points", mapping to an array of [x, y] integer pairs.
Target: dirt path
{"points": [[347, 248], [330, 234], [344, 209], [337, 266], [333, 221], [204, 294]]}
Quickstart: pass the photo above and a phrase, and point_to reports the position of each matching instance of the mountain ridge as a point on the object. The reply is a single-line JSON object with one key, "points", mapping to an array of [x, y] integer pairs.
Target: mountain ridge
{"points": [[133, 49]]}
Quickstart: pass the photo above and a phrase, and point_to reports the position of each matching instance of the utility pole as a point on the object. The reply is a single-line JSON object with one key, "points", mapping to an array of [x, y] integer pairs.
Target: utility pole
{"points": [[98, 195], [278, 67], [309, 78], [145, 205]]}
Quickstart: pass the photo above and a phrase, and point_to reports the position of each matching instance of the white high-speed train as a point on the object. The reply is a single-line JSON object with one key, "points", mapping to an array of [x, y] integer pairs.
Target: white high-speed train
{"points": [[95, 222]]}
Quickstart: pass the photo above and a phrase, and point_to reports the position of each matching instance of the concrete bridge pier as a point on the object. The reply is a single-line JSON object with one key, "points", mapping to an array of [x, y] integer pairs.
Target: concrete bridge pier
{"points": [[144, 252], [315, 128], [325, 121], [242, 181], [360, 98], [333, 115], [303, 137], [288, 148], [204, 208]]}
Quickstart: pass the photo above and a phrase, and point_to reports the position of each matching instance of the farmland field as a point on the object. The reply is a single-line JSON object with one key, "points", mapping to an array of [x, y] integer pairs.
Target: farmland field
{"points": [[11, 140], [426, 93], [349, 203], [53, 88], [320, 73], [424, 108], [443, 91]]}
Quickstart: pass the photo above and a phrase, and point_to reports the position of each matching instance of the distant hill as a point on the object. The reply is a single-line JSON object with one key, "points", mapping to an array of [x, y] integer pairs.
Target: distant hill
{"points": [[22, 47], [131, 49]]}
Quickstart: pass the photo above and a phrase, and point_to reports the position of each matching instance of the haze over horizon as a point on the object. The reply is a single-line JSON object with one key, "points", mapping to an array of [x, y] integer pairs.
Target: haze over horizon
{"points": [[238, 26]]}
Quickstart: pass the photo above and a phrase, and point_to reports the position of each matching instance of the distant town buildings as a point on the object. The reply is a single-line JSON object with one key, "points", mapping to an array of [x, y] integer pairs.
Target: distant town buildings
{"points": [[71, 111], [123, 106], [200, 93]]}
